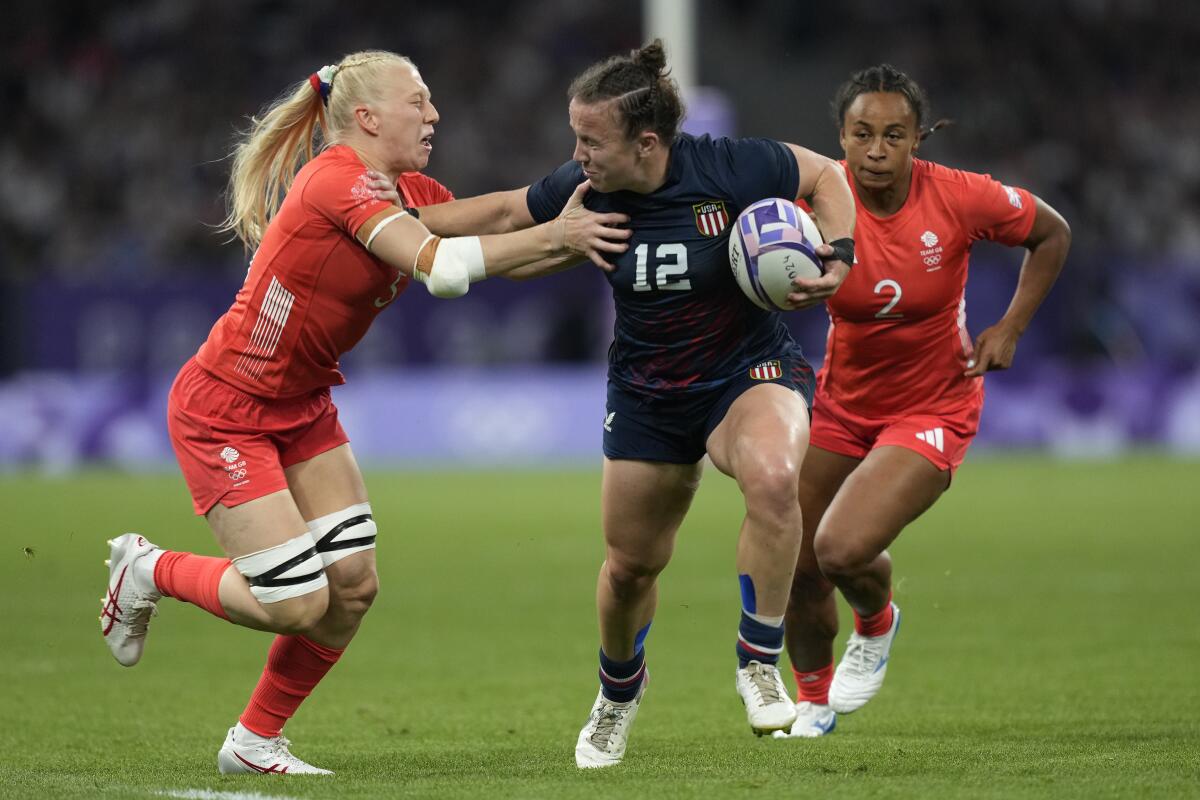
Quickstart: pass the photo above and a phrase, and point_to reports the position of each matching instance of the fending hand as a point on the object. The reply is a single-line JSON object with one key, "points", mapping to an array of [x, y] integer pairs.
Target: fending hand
{"points": [[589, 233], [382, 188]]}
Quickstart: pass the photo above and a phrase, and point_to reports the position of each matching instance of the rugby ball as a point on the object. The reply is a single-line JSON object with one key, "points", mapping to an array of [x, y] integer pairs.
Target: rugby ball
{"points": [[772, 244]]}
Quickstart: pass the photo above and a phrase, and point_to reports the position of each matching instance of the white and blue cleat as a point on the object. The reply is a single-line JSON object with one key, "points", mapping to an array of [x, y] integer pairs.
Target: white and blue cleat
{"points": [[812, 720], [860, 674]]}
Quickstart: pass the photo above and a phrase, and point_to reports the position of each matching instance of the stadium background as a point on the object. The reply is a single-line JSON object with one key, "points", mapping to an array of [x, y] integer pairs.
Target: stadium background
{"points": [[119, 117], [1050, 641]]}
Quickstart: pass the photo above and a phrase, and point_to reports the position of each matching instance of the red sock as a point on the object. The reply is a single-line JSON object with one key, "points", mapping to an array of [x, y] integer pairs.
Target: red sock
{"points": [[814, 686], [876, 624], [192, 578], [294, 666]]}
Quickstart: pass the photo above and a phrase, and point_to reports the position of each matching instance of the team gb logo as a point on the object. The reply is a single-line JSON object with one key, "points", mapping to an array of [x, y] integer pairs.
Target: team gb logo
{"points": [[361, 192], [229, 455], [929, 238]]}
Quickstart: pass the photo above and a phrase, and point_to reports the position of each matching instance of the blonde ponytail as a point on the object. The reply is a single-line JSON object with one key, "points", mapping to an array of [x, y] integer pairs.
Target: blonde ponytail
{"points": [[266, 159], [268, 155]]}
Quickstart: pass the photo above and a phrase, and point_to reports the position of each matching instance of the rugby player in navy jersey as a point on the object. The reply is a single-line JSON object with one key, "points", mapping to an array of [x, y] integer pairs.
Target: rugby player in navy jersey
{"points": [[695, 367]]}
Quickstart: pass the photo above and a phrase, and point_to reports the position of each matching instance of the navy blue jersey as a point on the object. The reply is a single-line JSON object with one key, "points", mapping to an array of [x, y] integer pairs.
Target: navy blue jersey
{"points": [[683, 325]]}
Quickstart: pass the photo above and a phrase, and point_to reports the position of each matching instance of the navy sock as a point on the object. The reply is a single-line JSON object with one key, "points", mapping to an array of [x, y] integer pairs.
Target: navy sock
{"points": [[620, 680], [758, 641]]}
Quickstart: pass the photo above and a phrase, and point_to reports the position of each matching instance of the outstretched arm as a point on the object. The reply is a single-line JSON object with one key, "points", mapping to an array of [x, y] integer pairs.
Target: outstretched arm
{"points": [[549, 266], [450, 265], [497, 212], [823, 184], [1048, 243]]}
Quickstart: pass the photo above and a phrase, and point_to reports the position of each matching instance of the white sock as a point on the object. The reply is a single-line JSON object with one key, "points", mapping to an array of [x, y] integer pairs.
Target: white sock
{"points": [[774, 622], [143, 569], [244, 735]]}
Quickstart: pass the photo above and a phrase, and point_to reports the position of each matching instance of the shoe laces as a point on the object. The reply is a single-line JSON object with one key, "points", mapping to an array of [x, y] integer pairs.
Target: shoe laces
{"points": [[764, 678], [139, 620], [862, 653], [606, 719], [277, 747]]}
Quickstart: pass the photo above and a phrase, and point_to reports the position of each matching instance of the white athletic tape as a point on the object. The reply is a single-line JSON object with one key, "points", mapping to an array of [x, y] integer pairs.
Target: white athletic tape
{"points": [[457, 263], [343, 533], [383, 223], [287, 570]]}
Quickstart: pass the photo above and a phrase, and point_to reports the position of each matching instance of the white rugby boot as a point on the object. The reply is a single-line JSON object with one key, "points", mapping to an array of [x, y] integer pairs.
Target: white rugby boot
{"points": [[812, 720], [768, 706], [859, 675], [246, 752], [132, 600], [602, 741]]}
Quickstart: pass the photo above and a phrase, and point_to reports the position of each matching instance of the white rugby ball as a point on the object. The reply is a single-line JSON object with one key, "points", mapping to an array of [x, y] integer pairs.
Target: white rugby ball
{"points": [[772, 244]]}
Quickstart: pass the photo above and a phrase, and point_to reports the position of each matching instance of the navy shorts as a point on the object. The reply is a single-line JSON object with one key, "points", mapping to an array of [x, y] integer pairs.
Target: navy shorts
{"points": [[676, 429]]}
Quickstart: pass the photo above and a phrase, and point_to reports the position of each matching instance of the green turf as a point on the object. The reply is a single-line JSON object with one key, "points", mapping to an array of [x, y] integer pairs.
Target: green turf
{"points": [[1051, 648]]}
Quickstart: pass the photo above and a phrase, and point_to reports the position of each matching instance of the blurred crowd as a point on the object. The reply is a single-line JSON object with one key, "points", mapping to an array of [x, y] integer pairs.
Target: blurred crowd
{"points": [[113, 163], [120, 116]]}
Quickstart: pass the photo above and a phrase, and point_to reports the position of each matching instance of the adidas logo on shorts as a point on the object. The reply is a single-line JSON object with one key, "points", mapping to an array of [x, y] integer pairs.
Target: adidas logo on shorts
{"points": [[934, 438]]}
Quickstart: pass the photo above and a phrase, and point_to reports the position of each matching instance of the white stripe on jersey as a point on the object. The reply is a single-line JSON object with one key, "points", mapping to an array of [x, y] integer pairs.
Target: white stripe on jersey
{"points": [[268, 329], [963, 336], [252, 355], [256, 335]]}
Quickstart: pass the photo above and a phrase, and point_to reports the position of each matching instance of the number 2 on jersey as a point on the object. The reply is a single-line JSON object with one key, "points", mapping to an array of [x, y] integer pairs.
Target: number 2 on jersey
{"points": [[665, 277], [888, 283]]}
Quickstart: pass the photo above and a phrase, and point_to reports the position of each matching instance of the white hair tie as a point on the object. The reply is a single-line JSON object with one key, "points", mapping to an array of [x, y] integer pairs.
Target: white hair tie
{"points": [[327, 72], [322, 81]]}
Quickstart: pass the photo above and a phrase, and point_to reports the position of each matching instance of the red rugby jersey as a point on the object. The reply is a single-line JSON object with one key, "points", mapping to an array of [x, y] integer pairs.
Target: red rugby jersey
{"points": [[312, 289], [898, 339]]}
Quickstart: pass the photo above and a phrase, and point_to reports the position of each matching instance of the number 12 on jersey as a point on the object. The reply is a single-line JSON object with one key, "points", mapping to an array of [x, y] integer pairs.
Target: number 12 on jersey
{"points": [[672, 262]]}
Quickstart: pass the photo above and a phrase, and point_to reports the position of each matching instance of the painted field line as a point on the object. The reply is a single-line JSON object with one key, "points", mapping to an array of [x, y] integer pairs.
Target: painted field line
{"points": [[210, 794]]}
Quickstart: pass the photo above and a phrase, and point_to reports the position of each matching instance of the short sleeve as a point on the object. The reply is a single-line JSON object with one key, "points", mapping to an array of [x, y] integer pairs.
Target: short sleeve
{"points": [[339, 192], [991, 210], [440, 193], [547, 197], [757, 169], [422, 190]]}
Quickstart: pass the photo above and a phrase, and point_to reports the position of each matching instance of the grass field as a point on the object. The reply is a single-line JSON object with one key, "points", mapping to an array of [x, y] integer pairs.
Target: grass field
{"points": [[1050, 649]]}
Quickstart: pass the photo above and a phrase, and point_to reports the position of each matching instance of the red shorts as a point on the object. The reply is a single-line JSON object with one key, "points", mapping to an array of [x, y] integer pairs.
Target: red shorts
{"points": [[233, 446], [943, 438]]}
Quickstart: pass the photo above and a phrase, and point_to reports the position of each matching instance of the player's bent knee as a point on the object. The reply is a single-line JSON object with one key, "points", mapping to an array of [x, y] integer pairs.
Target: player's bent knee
{"points": [[771, 489], [628, 576], [354, 597], [284, 572], [298, 615], [344, 533], [839, 555]]}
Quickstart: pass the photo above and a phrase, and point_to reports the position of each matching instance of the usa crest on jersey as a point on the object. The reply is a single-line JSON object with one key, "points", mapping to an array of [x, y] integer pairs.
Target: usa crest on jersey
{"points": [[711, 217], [767, 371]]}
